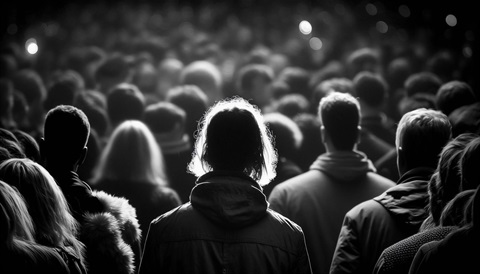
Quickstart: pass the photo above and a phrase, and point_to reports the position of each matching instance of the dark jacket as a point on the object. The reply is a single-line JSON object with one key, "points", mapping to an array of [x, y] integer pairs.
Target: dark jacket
{"points": [[226, 227], [374, 225]]}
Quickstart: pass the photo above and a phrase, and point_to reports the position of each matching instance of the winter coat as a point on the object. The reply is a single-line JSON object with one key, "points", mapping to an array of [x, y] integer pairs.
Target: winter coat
{"points": [[457, 253], [318, 199], [226, 227], [111, 237], [397, 258], [374, 225]]}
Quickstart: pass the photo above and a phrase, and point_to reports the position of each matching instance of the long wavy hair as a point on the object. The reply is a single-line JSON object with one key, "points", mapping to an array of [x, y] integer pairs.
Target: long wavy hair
{"points": [[132, 154], [233, 136], [53, 223]]}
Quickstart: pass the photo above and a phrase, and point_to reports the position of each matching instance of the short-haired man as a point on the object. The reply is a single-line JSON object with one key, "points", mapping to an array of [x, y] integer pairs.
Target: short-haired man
{"points": [[338, 180], [396, 214]]}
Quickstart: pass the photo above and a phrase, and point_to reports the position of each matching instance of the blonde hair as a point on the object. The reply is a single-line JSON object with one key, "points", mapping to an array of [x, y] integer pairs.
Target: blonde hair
{"points": [[54, 224], [260, 162], [133, 154]]}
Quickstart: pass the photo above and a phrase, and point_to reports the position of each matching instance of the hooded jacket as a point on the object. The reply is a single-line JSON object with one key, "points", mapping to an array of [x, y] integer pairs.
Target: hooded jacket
{"points": [[226, 227], [318, 199], [374, 225]]}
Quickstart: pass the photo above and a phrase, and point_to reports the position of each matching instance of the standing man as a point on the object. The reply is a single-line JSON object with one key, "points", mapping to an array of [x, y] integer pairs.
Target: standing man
{"points": [[338, 180]]}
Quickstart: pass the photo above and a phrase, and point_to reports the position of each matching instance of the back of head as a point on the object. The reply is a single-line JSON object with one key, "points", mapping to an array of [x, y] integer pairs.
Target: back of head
{"points": [[340, 116], [370, 88], [420, 137], [132, 154], [192, 100], [292, 105], [45, 201], [125, 102], [28, 144], [297, 79], [422, 82], [398, 70], [233, 136], [362, 59], [30, 84], [63, 89], [469, 165], [465, 119], [10, 143], [446, 182], [458, 211], [248, 74], [93, 104], [454, 94], [66, 133], [340, 84], [416, 101], [112, 71], [6, 97], [286, 133], [164, 117], [206, 76]]}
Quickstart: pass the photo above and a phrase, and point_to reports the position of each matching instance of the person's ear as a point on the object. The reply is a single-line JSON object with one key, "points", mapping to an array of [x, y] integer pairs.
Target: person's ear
{"points": [[43, 149], [359, 135], [401, 163], [323, 134], [83, 156]]}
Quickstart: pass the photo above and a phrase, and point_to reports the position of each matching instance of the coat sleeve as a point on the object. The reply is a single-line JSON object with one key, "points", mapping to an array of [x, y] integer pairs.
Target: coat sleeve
{"points": [[278, 200], [420, 263], [303, 264], [346, 258]]}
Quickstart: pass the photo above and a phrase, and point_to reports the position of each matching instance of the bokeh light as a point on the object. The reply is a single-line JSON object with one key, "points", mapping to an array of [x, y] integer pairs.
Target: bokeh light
{"points": [[305, 27], [451, 20], [382, 27], [316, 43], [371, 9], [31, 46], [404, 11]]}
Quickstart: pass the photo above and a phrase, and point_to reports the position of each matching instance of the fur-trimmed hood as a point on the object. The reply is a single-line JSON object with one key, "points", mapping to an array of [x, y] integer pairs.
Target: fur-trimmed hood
{"points": [[111, 236]]}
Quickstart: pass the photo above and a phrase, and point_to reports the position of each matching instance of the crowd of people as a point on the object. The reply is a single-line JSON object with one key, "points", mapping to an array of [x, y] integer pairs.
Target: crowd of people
{"points": [[182, 139]]}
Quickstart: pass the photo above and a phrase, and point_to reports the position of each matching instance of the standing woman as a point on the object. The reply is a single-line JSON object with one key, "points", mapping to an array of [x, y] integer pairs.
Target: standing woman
{"points": [[53, 223], [227, 226], [131, 166]]}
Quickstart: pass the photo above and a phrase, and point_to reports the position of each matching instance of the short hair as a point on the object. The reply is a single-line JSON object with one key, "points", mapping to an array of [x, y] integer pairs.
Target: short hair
{"points": [[446, 182], [192, 100], [125, 102], [422, 82], [248, 74], [371, 88], [131, 153], [66, 133], [421, 135], [297, 79], [453, 95], [416, 101], [469, 165], [163, 117], [30, 84], [54, 224], [206, 76], [93, 104], [233, 136], [339, 114], [116, 66], [63, 89], [286, 134], [362, 59], [292, 104]]}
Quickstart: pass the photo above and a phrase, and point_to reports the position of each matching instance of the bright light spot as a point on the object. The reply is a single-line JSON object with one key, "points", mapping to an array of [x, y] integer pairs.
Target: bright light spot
{"points": [[451, 20], [316, 43], [371, 9], [31, 46], [12, 29], [382, 27], [404, 11], [305, 27]]}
